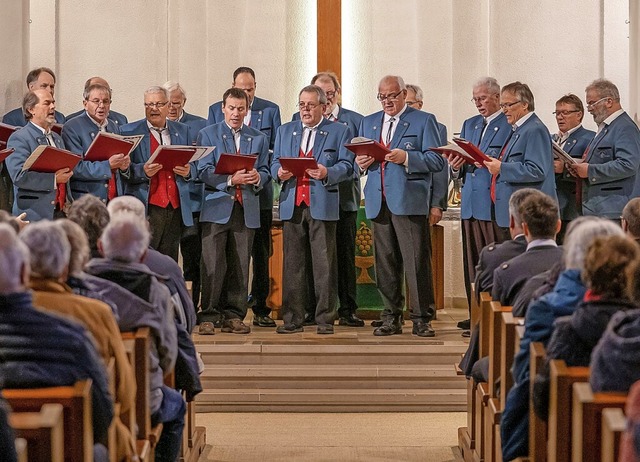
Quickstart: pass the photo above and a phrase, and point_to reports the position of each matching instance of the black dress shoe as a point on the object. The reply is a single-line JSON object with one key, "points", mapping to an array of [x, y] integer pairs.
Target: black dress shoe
{"points": [[325, 329], [289, 329], [388, 328], [351, 320], [377, 323], [465, 325], [263, 321], [466, 333], [423, 329], [309, 320]]}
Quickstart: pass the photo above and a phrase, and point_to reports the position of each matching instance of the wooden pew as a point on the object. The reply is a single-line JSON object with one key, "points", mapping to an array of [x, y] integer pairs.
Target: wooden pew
{"points": [[143, 449], [560, 404], [21, 450], [194, 438], [42, 432], [77, 414], [537, 426], [614, 424], [510, 343], [586, 422], [485, 315], [466, 435], [139, 342]]}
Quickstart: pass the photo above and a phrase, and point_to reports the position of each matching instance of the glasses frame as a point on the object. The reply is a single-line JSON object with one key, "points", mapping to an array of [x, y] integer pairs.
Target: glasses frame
{"points": [[504, 106], [590, 105], [390, 97], [157, 105], [309, 106], [565, 113]]}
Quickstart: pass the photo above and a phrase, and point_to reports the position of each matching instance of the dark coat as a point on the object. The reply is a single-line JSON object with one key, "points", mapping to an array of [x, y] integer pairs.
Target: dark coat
{"points": [[491, 257], [7, 438]]}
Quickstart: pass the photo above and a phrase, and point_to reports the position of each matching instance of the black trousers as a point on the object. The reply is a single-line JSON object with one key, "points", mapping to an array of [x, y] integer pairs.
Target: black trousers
{"points": [[403, 247], [226, 251], [309, 252], [191, 250], [166, 229], [261, 252]]}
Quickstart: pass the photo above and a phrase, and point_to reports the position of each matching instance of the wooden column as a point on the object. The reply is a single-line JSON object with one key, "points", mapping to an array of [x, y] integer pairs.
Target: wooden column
{"points": [[330, 36]]}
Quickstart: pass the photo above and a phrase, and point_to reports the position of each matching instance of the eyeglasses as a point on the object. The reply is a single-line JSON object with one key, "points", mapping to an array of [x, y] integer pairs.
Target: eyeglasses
{"points": [[564, 113], [590, 105], [391, 97], [308, 106], [155, 105], [480, 100], [97, 102], [330, 94], [508, 105], [175, 103]]}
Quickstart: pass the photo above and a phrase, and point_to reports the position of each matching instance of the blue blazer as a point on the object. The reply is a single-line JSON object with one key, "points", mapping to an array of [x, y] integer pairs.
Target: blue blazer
{"points": [[194, 122], [350, 194], [613, 158], [218, 196], [16, 118], [88, 177], [115, 117], [136, 182], [565, 183], [527, 163], [265, 116], [328, 150], [407, 190], [476, 195], [440, 180], [34, 192]]}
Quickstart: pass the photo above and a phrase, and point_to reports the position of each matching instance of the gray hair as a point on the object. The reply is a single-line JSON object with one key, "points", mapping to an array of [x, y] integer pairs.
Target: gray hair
{"points": [[490, 83], [14, 256], [417, 90], [522, 92], [49, 248], [79, 244], [92, 216], [129, 204], [172, 86], [322, 98], [605, 89], [126, 238], [95, 86], [580, 236], [397, 78], [157, 89], [516, 199], [29, 102]]}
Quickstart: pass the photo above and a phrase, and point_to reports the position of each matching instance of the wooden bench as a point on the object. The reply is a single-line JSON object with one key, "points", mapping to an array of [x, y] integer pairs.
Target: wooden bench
{"points": [[537, 426], [77, 414], [614, 424], [586, 422], [21, 450], [562, 379], [42, 432]]}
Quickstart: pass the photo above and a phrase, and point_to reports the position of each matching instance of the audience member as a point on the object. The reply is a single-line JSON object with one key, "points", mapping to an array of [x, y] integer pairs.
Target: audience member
{"points": [[630, 440], [7, 438], [541, 314], [630, 219], [574, 337]]}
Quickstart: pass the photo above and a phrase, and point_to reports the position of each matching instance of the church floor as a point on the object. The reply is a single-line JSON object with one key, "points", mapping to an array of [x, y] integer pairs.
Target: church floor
{"points": [[315, 437]]}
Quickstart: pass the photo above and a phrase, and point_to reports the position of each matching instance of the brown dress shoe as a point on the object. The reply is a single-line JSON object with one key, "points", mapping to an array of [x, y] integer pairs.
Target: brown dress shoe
{"points": [[235, 326]]}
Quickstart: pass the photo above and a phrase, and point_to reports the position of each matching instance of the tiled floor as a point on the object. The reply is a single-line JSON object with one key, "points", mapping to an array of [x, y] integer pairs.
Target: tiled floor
{"points": [[270, 437]]}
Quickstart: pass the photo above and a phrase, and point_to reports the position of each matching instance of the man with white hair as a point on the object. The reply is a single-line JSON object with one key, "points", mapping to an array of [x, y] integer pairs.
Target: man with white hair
{"points": [[124, 243], [63, 354], [166, 193], [397, 200]]}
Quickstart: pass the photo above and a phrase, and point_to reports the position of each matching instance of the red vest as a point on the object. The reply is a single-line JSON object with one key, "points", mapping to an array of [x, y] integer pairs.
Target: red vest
{"points": [[163, 189], [303, 193]]}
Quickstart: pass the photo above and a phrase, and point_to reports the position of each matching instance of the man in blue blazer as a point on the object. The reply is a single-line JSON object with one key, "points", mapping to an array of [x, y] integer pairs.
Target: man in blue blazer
{"points": [[525, 161], [262, 115], [191, 241], [170, 196], [40, 78], [609, 170], [39, 195], [230, 213], [116, 117], [310, 210], [397, 200], [573, 138], [488, 130], [349, 205], [100, 178]]}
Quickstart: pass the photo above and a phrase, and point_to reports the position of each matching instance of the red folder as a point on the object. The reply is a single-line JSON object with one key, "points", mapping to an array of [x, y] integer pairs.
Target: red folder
{"points": [[473, 150], [5, 153], [369, 148], [228, 164], [5, 133], [177, 156], [298, 165], [106, 145], [47, 159]]}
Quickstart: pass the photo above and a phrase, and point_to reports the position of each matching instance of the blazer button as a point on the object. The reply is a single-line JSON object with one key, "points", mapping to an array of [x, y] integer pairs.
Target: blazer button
{"points": [[106, 185], [53, 202]]}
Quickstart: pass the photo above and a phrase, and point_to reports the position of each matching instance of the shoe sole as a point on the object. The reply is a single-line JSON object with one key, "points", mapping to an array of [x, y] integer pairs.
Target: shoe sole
{"points": [[231, 331], [426, 335], [257, 324], [378, 334]]}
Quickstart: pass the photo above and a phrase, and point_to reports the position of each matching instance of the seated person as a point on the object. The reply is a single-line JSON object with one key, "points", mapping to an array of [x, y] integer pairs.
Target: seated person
{"points": [[630, 440], [574, 337], [541, 314], [124, 243], [615, 363], [63, 354], [50, 253], [7, 438]]}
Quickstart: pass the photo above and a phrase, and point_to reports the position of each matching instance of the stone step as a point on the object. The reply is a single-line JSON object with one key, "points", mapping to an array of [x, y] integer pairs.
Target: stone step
{"points": [[323, 400], [331, 377]]}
